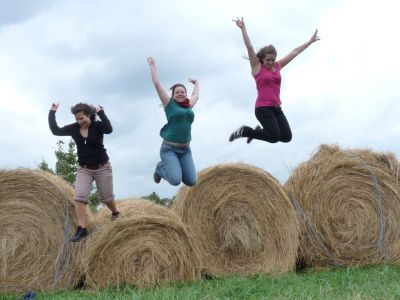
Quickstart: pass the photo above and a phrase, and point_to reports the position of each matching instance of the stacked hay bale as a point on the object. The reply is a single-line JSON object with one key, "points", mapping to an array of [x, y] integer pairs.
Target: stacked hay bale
{"points": [[147, 245], [37, 219], [240, 221], [122, 205], [348, 204]]}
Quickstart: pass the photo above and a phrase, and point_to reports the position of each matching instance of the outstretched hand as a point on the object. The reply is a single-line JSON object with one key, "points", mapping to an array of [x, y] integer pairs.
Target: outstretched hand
{"points": [[151, 61], [193, 81], [239, 22], [314, 37], [54, 106]]}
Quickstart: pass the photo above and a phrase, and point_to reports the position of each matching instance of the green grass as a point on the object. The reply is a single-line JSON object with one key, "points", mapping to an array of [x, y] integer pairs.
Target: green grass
{"points": [[381, 282]]}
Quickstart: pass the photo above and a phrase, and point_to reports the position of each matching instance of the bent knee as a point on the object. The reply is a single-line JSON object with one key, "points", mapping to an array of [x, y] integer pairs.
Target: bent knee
{"points": [[174, 181], [81, 200], [190, 182], [274, 139], [286, 139]]}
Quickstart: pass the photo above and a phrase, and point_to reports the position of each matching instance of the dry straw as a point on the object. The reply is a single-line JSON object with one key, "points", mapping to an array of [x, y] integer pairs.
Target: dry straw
{"points": [[240, 221], [146, 246], [348, 204], [36, 222]]}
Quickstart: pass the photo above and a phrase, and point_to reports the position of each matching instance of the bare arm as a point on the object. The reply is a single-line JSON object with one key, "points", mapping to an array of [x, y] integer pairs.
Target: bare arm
{"points": [[154, 76], [254, 62], [288, 58], [195, 93]]}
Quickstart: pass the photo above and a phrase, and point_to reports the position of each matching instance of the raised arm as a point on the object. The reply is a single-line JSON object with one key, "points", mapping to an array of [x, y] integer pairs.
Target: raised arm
{"points": [[288, 58], [154, 76], [254, 62], [60, 131], [105, 124], [195, 93]]}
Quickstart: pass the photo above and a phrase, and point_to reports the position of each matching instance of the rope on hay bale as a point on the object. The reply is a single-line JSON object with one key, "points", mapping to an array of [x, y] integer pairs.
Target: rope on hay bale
{"points": [[146, 246], [240, 220], [348, 204], [36, 223]]}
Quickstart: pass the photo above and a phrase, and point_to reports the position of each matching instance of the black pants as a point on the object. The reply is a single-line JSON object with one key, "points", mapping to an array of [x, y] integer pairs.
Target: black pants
{"points": [[275, 126]]}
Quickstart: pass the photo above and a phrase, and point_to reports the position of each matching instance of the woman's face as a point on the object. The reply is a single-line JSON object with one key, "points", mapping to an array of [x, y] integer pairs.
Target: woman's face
{"points": [[179, 94], [82, 119], [269, 60]]}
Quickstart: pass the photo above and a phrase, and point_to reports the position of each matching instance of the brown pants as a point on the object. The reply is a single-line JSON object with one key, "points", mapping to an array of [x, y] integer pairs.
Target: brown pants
{"points": [[104, 183]]}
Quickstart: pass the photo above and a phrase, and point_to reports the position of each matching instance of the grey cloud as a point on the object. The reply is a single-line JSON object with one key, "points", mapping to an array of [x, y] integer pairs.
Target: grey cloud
{"points": [[98, 54], [18, 11]]}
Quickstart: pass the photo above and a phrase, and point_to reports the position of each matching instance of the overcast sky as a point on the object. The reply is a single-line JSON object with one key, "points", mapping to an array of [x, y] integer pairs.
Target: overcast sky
{"points": [[343, 89]]}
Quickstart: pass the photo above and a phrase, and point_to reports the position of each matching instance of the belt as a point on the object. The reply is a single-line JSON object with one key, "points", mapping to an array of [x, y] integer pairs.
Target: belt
{"points": [[93, 167], [177, 144]]}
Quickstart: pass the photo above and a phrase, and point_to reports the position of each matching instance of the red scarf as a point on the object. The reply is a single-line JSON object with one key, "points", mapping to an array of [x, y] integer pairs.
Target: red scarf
{"points": [[185, 103]]}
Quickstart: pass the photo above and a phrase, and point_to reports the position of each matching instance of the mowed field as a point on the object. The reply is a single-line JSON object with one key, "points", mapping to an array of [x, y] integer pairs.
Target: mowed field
{"points": [[379, 282]]}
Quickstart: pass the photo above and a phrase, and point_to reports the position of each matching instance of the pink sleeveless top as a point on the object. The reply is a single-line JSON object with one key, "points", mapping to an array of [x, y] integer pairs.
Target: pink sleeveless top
{"points": [[268, 86]]}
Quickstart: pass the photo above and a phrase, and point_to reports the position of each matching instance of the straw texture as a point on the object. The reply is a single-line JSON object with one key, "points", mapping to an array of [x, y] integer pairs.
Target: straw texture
{"points": [[146, 246], [240, 221], [36, 222], [348, 204]]}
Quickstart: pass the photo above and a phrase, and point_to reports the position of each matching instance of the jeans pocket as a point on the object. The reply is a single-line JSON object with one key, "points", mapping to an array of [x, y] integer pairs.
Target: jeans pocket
{"points": [[165, 147], [187, 150]]}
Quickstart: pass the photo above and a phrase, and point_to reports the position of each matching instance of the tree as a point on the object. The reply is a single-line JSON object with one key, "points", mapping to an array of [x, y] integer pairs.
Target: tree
{"points": [[67, 161], [45, 167], [66, 167], [155, 198]]}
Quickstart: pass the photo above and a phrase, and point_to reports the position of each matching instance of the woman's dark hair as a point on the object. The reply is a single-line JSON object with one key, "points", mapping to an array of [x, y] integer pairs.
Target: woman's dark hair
{"points": [[264, 51], [172, 88], [88, 110]]}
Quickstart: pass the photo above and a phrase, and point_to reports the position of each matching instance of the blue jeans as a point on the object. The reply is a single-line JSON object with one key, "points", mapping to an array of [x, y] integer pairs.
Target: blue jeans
{"points": [[176, 165]]}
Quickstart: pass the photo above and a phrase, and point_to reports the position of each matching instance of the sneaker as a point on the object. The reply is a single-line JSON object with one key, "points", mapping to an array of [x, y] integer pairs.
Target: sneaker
{"points": [[249, 139], [237, 133], [114, 216], [156, 177], [80, 234]]}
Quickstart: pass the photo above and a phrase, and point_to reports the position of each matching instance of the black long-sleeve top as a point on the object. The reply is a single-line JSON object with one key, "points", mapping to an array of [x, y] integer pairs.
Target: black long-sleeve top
{"points": [[90, 150]]}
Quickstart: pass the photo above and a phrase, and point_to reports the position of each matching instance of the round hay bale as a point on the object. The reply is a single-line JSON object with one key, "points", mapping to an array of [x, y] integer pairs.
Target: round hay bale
{"points": [[146, 246], [240, 221], [36, 222], [123, 206], [348, 204]]}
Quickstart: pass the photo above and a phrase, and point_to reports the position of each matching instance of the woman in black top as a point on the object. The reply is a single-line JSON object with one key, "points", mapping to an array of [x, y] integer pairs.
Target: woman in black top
{"points": [[93, 160]]}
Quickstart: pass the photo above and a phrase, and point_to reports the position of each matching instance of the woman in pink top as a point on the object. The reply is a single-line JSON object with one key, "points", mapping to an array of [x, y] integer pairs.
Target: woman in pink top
{"points": [[266, 72]]}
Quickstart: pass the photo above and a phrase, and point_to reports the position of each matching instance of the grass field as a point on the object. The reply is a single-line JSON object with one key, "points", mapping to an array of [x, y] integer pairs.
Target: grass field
{"points": [[381, 282]]}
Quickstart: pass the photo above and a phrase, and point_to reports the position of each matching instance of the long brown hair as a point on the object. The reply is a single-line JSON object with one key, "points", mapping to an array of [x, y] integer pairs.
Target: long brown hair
{"points": [[264, 51], [88, 110]]}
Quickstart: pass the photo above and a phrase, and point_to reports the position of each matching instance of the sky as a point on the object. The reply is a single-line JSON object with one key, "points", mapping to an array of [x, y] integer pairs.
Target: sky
{"points": [[344, 89]]}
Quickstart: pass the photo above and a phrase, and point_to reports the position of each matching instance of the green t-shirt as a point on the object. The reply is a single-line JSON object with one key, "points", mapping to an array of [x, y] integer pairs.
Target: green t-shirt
{"points": [[178, 128]]}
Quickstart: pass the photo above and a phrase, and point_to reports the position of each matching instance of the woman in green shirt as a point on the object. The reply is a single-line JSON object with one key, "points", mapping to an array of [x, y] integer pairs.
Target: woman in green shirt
{"points": [[176, 163]]}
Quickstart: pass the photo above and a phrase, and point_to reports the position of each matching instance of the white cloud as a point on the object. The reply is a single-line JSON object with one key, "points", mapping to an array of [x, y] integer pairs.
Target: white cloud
{"points": [[343, 89]]}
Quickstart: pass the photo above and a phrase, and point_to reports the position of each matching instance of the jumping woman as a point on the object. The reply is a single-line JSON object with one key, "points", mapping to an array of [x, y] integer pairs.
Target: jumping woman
{"points": [[93, 160], [176, 163], [266, 72]]}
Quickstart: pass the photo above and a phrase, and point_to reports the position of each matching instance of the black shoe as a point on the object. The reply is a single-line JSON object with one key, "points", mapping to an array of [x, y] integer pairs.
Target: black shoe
{"points": [[238, 133], [249, 139], [80, 234], [156, 177], [114, 216]]}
